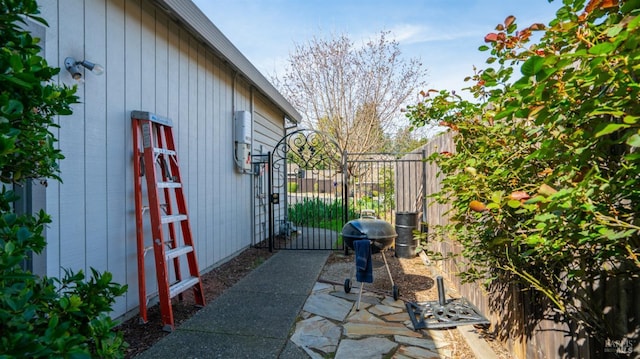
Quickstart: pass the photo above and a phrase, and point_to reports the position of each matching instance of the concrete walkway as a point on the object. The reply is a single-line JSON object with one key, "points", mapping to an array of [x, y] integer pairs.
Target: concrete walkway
{"points": [[253, 318]]}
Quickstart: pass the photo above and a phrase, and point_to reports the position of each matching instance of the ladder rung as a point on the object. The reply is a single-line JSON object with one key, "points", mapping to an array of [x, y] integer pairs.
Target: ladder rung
{"points": [[146, 249], [146, 208], [176, 252], [173, 218], [163, 151], [169, 185], [182, 285]]}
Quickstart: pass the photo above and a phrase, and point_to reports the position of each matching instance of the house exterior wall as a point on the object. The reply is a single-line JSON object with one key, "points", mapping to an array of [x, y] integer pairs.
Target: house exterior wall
{"points": [[152, 63]]}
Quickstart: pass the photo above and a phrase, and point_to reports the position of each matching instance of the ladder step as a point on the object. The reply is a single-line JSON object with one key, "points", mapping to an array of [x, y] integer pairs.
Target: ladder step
{"points": [[176, 252], [173, 218], [163, 151], [169, 185], [181, 286], [146, 208]]}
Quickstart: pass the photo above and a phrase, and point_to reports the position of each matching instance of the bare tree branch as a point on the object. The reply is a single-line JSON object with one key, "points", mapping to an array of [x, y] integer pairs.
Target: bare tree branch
{"points": [[353, 93]]}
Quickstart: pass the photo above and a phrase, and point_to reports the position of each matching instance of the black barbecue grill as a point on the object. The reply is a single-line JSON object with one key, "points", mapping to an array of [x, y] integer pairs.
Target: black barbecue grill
{"points": [[381, 235]]}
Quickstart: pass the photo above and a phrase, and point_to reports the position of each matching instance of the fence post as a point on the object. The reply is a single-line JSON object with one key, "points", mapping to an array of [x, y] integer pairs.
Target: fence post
{"points": [[424, 188]]}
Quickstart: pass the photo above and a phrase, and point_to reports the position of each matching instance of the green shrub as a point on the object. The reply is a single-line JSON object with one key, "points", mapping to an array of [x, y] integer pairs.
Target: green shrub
{"points": [[314, 212], [40, 317], [292, 187], [544, 180]]}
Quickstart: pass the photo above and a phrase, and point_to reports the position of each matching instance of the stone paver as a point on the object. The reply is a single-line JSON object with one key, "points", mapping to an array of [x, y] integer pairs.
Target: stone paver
{"points": [[368, 348], [364, 316], [317, 333], [385, 309], [426, 343], [352, 329], [398, 317], [328, 306], [415, 352]]}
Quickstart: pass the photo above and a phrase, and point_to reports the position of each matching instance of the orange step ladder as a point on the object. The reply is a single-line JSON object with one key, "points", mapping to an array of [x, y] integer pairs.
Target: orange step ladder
{"points": [[155, 158]]}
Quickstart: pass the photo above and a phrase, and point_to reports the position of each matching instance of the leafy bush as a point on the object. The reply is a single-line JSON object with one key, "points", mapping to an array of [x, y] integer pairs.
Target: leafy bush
{"points": [[40, 317], [315, 212], [545, 180], [292, 187]]}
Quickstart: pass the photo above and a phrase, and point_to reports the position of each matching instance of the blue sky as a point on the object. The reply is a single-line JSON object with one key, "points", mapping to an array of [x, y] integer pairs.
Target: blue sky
{"points": [[443, 34]]}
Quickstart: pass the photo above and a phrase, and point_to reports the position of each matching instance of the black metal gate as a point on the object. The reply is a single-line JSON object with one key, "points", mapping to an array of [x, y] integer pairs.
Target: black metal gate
{"points": [[307, 198], [315, 188]]}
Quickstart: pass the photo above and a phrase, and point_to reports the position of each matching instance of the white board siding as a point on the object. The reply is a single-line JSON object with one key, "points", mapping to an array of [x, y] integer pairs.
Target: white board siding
{"points": [[72, 142], [95, 141], [133, 99], [151, 64], [118, 133]]}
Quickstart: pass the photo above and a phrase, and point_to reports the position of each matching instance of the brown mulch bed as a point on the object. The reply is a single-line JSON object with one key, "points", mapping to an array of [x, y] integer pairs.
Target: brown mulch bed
{"points": [[411, 276]]}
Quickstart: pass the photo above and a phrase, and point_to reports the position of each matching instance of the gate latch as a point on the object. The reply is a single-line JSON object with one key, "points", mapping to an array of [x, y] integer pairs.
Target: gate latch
{"points": [[275, 198]]}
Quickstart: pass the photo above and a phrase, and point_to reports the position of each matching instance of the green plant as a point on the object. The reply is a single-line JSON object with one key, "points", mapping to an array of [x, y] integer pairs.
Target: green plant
{"points": [[545, 180], [292, 187], [40, 317], [315, 212]]}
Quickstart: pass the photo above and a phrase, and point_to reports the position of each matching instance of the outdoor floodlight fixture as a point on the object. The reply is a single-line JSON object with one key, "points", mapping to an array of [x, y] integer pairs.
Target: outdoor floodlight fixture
{"points": [[73, 67]]}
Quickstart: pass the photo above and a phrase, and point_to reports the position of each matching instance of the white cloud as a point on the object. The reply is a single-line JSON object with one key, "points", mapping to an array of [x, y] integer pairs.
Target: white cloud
{"points": [[408, 34]]}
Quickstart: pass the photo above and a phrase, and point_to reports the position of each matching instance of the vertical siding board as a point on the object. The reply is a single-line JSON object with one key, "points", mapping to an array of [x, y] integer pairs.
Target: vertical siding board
{"points": [[228, 171], [95, 139], [174, 82], [133, 101], [120, 241], [161, 63], [210, 155], [182, 120], [217, 219], [147, 58], [192, 131], [243, 211], [52, 232], [201, 238], [72, 129], [209, 158], [246, 184], [173, 76]]}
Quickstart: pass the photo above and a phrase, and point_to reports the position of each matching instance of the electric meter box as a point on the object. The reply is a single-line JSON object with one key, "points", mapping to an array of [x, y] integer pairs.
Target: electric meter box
{"points": [[242, 127], [242, 140]]}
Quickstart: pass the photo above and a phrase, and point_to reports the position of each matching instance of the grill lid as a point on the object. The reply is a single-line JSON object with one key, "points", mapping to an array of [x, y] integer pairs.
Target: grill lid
{"points": [[372, 229]]}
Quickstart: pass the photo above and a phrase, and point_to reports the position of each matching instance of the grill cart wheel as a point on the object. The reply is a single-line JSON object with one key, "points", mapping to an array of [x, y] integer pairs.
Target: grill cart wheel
{"points": [[396, 292], [347, 285]]}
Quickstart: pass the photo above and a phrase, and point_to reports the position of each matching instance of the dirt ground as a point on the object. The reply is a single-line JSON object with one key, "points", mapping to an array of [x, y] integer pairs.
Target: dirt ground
{"points": [[411, 276]]}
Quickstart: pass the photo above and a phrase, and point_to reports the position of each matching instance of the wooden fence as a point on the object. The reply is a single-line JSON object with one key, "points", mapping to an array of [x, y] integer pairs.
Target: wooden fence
{"points": [[519, 317]]}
